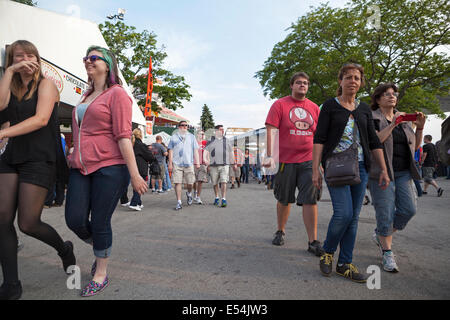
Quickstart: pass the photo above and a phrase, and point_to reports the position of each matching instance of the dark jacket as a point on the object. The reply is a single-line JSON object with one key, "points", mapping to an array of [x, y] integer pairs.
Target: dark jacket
{"points": [[331, 125], [388, 147], [143, 157]]}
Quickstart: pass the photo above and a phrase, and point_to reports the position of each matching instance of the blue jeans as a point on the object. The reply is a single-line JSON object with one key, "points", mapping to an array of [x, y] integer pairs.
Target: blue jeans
{"points": [[258, 174], [136, 199], [95, 195], [347, 202], [245, 170], [167, 184], [396, 205]]}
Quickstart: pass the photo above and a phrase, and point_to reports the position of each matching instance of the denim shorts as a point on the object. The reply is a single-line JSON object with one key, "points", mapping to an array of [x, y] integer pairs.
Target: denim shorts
{"points": [[395, 206]]}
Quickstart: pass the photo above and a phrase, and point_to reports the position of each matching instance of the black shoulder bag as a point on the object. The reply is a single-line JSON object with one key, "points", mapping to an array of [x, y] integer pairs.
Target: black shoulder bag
{"points": [[342, 168]]}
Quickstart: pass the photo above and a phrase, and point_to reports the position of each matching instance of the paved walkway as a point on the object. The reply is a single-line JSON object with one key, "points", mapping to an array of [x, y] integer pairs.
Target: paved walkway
{"points": [[204, 252]]}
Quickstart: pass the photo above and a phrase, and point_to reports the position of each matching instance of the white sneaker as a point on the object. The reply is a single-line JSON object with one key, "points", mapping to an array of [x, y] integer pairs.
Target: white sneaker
{"points": [[198, 200], [141, 206], [125, 204], [135, 208], [389, 263], [189, 198]]}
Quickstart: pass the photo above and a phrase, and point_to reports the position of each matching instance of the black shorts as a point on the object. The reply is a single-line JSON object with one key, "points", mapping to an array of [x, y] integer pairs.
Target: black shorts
{"points": [[40, 173], [292, 176]]}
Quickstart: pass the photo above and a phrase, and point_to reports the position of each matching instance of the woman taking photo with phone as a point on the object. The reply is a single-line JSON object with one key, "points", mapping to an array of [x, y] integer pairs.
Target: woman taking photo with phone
{"points": [[28, 165], [396, 205], [102, 161]]}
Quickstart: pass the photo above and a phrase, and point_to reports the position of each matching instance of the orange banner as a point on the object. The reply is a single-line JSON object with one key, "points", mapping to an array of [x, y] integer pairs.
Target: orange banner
{"points": [[148, 100]]}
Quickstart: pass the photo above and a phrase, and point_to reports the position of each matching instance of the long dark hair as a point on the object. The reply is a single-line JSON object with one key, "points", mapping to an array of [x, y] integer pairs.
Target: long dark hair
{"points": [[382, 88]]}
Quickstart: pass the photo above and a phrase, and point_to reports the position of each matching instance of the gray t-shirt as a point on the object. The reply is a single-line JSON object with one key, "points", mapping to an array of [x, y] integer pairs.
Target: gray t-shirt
{"points": [[158, 151]]}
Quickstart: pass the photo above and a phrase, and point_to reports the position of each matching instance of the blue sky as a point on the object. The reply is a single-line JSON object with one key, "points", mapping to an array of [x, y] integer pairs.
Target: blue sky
{"points": [[217, 45]]}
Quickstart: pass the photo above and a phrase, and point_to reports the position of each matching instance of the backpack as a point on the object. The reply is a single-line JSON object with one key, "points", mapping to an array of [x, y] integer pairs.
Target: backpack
{"points": [[155, 170]]}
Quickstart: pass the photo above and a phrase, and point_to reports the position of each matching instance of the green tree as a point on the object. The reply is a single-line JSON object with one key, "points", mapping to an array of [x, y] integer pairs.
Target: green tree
{"points": [[206, 119], [133, 50], [404, 49]]}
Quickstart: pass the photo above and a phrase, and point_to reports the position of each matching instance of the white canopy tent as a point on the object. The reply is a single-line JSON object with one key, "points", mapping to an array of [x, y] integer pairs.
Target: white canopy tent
{"points": [[61, 40]]}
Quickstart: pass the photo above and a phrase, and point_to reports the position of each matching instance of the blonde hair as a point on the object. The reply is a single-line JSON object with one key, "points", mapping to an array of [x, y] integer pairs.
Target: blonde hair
{"points": [[16, 82], [137, 133]]}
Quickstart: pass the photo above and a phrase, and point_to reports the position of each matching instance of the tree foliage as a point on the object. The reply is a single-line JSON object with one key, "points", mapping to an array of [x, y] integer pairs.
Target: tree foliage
{"points": [[402, 50], [133, 50], [206, 119]]}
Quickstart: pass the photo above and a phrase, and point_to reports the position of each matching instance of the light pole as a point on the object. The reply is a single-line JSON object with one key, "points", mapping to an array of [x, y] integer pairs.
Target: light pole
{"points": [[120, 14]]}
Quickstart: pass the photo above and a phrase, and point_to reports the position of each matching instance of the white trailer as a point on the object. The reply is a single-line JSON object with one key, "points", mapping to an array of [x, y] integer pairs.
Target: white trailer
{"points": [[62, 42]]}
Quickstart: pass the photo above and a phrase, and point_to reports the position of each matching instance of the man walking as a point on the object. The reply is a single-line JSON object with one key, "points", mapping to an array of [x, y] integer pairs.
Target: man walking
{"points": [[183, 153], [295, 118], [429, 163], [160, 153], [221, 155]]}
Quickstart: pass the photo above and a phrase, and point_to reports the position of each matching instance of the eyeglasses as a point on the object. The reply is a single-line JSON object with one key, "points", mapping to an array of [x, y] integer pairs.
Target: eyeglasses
{"points": [[389, 94], [305, 83], [94, 58], [183, 125]]}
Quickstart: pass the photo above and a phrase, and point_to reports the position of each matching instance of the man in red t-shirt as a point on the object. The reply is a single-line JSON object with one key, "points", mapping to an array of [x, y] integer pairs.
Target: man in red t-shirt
{"points": [[294, 118]]}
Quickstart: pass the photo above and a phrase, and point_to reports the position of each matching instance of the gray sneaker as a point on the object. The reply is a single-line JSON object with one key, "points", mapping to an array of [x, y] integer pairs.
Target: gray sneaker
{"points": [[279, 238], [178, 207], [389, 263]]}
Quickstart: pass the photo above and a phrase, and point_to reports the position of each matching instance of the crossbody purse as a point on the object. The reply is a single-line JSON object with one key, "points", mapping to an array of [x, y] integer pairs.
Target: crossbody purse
{"points": [[342, 168]]}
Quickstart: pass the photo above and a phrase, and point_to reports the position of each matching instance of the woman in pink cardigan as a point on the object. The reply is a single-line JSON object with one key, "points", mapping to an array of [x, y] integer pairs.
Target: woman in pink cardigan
{"points": [[102, 161]]}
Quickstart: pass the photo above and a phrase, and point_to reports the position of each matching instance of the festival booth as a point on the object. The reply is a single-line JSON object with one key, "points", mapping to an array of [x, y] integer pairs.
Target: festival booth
{"points": [[62, 42]]}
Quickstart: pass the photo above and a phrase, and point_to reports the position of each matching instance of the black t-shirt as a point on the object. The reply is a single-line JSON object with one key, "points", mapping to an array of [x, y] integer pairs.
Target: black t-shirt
{"points": [[402, 154], [4, 116], [430, 160]]}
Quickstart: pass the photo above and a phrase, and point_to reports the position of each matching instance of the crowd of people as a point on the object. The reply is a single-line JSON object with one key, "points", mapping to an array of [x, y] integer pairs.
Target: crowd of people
{"points": [[346, 142]]}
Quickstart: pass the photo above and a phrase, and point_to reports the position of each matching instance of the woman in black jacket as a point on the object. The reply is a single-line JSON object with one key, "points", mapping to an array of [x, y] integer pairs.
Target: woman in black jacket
{"points": [[342, 121], [143, 157]]}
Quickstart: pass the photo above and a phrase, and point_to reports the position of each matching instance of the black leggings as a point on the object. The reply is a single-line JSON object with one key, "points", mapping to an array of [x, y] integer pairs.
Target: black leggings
{"points": [[28, 201]]}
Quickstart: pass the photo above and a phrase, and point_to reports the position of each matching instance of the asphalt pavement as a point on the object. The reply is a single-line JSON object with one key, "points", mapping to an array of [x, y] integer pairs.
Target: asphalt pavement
{"points": [[207, 253]]}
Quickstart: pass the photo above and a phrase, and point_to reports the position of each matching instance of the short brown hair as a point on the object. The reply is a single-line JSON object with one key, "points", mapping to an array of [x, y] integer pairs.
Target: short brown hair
{"points": [[382, 88], [345, 68], [297, 75]]}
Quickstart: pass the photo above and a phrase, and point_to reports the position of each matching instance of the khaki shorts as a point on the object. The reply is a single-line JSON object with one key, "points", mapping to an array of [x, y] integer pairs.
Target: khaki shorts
{"points": [[201, 174], [235, 173], [183, 174], [219, 174]]}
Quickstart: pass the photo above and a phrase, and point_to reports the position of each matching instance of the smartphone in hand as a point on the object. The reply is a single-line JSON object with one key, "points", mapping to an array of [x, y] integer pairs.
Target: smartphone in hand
{"points": [[406, 117]]}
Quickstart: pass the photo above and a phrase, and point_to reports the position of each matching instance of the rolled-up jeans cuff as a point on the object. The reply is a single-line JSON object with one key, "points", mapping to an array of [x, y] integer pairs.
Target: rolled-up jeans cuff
{"points": [[103, 253]]}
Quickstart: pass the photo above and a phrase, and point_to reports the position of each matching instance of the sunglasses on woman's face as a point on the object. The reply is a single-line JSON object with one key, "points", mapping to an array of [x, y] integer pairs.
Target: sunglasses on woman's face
{"points": [[93, 58]]}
